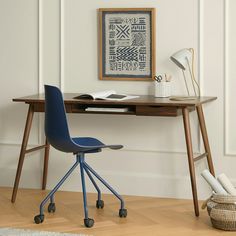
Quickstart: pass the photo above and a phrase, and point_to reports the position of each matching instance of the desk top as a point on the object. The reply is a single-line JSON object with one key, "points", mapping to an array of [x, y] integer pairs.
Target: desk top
{"points": [[141, 100]]}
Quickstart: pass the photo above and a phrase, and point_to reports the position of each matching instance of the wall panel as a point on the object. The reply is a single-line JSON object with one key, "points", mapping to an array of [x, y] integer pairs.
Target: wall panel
{"points": [[55, 42], [19, 65], [230, 75]]}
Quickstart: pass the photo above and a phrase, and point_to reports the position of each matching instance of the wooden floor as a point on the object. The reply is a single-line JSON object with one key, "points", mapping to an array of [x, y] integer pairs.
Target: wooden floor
{"points": [[146, 216]]}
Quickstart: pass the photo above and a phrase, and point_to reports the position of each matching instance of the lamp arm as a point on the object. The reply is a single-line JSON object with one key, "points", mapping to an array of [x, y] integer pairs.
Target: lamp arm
{"points": [[185, 81], [193, 76]]}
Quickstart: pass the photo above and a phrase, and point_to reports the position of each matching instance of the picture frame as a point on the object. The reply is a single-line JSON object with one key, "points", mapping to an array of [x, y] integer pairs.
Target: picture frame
{"points": [[127, 44]]}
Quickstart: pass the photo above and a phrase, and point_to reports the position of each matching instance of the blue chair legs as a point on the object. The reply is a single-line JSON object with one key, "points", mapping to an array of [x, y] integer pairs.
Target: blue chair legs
{"points": [[100, 202], [84, 167], [88, 169], [87, 221], [51, 208]]}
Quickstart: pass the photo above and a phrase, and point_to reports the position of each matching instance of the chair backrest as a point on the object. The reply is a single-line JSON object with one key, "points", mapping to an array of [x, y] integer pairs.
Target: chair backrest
{"points": [[56, 127]]}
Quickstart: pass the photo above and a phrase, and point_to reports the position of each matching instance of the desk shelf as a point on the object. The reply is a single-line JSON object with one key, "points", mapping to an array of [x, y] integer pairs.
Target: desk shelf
{"points": [[81, 108]]}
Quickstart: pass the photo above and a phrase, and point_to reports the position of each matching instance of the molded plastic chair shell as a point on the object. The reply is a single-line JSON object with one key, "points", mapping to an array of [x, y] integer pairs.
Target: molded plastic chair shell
{"points": [[56, 127], [57, 133]]}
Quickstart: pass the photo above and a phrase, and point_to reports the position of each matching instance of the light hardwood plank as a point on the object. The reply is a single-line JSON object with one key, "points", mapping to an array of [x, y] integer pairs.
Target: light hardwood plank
{"points": [[146, 215]]}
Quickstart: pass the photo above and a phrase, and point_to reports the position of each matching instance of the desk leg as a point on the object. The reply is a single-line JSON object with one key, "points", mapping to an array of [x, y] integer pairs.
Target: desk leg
{"points": [[190, 158], [23, 151], [45, 167], [205, 138]]}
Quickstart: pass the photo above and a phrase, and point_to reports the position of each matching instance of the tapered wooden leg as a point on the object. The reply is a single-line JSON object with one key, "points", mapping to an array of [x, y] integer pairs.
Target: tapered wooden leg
{"points": [[190, 158], [205, 138], [45, 167], [23, 151]]}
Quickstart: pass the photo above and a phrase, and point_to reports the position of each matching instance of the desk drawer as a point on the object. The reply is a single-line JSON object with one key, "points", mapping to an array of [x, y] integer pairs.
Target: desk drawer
{"points": [[157, 111]]}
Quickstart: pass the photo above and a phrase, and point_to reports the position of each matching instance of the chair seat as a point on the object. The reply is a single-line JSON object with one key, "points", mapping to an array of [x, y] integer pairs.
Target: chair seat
{"points": [[92, 145]]}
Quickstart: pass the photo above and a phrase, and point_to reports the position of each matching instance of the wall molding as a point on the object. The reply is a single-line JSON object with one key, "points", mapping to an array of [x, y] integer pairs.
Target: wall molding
{"points": [[41, 81], [12, 143], [172, 152], [18, 143], [61, 78], [200, 61], [40, 46], [199, 142], [152, 183], [40, 78], [227, 152], [62, 44]]}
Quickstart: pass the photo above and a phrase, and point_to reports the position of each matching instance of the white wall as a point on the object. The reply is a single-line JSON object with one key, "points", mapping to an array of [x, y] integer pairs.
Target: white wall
{"points": [[55, 42]]}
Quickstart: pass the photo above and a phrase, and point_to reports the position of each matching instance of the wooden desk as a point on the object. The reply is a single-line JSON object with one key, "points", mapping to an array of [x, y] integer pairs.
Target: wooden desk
{"points": [[142, 106]]}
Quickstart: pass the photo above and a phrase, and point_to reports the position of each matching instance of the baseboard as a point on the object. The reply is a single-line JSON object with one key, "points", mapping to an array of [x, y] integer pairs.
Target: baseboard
{"points": [[138, 184]]}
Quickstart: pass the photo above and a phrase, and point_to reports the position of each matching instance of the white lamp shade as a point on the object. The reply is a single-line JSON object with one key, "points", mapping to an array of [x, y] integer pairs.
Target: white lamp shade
{"points": [[181, 58]]}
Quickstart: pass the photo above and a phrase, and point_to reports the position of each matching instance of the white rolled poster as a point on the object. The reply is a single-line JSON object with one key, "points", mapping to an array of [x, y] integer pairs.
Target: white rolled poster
{"points": [[225, 182], [212, 181]]}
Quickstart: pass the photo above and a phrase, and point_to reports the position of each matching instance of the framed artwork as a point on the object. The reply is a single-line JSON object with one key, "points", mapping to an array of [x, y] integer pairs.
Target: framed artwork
{"points": [[127, 43]]}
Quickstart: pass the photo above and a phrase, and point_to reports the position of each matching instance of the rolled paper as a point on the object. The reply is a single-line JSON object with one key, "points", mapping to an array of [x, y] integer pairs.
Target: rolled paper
{"points": [[227, 185], [212, 181]]}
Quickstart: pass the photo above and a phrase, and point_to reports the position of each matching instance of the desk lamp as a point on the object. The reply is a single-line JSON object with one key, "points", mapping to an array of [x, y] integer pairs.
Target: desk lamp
{"points": [[182, 59]]}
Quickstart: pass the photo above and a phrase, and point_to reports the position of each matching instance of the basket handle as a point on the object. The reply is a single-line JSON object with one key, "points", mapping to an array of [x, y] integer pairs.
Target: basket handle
{"points": [[204, 204]]}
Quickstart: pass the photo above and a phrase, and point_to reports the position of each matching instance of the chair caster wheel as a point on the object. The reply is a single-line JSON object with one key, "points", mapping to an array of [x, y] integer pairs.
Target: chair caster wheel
{"points": [[51, 207], [39, 219], [88, 222], [122, 213], [100, 204]]}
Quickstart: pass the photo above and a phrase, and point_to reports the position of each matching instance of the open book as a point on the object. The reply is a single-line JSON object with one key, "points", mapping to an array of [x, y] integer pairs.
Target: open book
{"points": [[106, 95]]}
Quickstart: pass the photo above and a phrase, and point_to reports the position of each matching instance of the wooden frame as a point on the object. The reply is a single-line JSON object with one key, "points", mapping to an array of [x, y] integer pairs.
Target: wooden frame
{"points": [[127, 44]]}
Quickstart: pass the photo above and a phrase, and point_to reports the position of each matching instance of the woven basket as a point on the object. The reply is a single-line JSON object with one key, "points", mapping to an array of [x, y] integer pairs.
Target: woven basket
{"points": [[222, 211]]}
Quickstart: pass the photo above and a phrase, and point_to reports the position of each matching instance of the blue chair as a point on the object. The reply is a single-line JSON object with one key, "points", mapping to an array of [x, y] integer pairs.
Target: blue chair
{"points": [[57, 133]]}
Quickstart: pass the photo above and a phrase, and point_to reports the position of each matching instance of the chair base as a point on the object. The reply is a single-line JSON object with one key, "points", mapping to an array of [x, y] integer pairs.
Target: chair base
{"points": [[84, 168]]}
